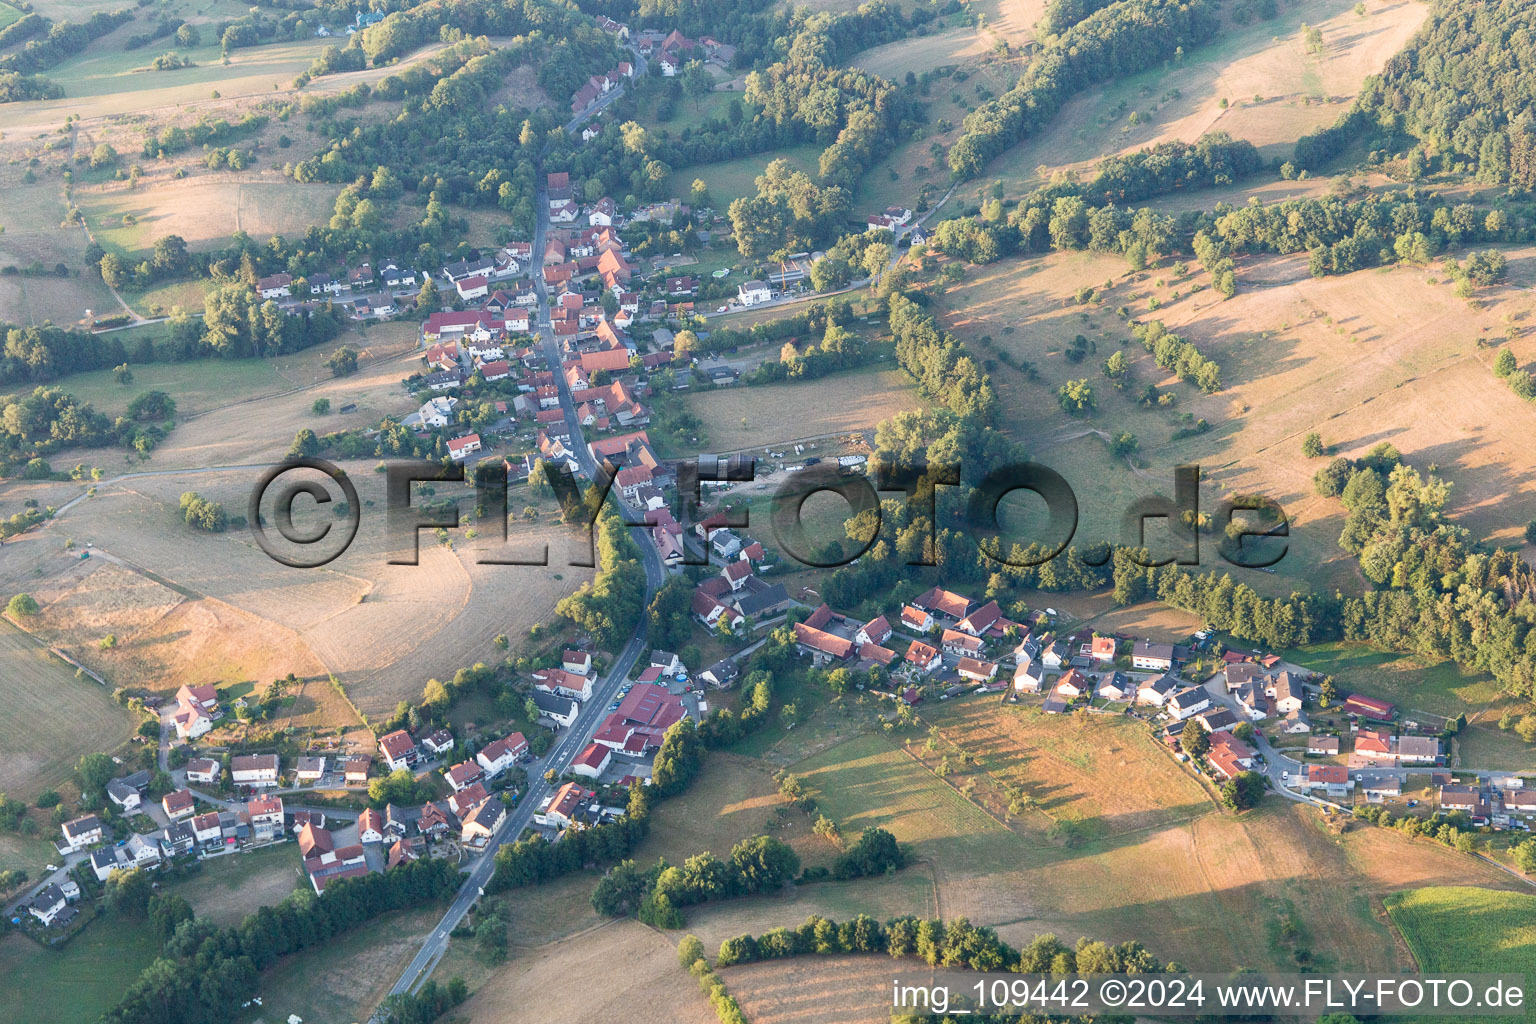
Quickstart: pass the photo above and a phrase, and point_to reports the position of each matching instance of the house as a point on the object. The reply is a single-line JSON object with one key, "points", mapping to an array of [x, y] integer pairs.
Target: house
{"points": [[924, 657], [438, 411], [1188, 702], [752, 293], [560, 710], [314, 840], [370, 826], [1215, 719], [104, 862], [433, 823], [499, 755], [462, 775], [253, 770], [1157, 691], [274, 287], [721, 674], [987, 618], [1102, 649], [961, 645], [354, 769], [1117, 686], [461, 448], [579, 662], [1054, 705], [82, 832], [128, 791], [565, 684], [873, 654], [1028, 677], [266, 815], [1418, 749], [179, 804], [1297, 721], [1469, 799], [462, 802], [438, 742], [943, 602], [917, 620], [1150, 657], [593, 761], [1073, 684], [822, 645], [146, 850], [191, 718], [642, 719], [399, 749], [1241, 673], [1358, 704], [203, 770], [1377, 746], [48, 905], [325, 868], [309, 769], [1223, 762], [564, 805], [1378, 789], [758, 599], [1322, 746], [1241, 752], [481, 823], [976, 671], [1288, 693], [205, 828], [1332, 779], [1053, 653]]}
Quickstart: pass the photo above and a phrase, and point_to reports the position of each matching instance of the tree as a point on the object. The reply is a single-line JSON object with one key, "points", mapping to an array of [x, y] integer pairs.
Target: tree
{"points": [[428, 299], [305, 443], [343, 361], [122, 374], [322, 407], [21, 605], [1327, 692], [128, 892], [689, 950], [1312, 445], [188, 35], [1526, 728], [95, 771], [103, 156], [877, 256], [1525, 856], [1195, 741], [697, 82], [1076, 397], [1505, 364], [1243, 790], [1530, 532]]}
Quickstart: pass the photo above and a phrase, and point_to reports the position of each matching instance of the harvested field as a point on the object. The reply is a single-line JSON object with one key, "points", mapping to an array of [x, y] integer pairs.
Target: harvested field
{"points": [[641, 981], [205, 210], [814, 990], [51, 717], [745, 417]]}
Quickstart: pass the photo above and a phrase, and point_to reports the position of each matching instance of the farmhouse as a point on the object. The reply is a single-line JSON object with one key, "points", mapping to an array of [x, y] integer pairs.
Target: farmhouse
{"points": [[939, 601], [987, 618], [875, 631], [253, 770], [821, 645]]}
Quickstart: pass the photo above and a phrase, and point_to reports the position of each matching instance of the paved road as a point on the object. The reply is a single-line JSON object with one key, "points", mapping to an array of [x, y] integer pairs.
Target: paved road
{"points": [[592, 713]]}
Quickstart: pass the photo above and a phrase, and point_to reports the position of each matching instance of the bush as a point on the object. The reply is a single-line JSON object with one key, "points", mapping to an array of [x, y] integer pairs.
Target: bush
{"points": [[20, 605]]}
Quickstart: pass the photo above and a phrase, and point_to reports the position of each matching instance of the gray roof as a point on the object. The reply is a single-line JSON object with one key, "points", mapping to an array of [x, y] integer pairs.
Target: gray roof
{"points": [[549, 702], [768, 597]]}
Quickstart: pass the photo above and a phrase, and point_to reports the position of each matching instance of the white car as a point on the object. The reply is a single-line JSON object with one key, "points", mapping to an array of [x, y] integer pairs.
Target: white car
{"points": [[722, 309]]}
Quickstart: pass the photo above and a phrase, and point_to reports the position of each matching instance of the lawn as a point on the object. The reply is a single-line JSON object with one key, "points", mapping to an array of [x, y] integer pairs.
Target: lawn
{"points": [[1453, 929], [205, 210], [1412, 682], [196, 386], [732, 179], [78, 982], [229, 888], [51, 717], [8, 15]]}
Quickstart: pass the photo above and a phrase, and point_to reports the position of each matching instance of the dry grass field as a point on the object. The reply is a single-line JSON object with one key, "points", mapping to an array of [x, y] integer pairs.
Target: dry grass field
{"points": [[1275, 89], [205, 210], [1219, 887], [51, 717], [31, 217], [633, 972], [734, 798], [747, 417], [1400, 357], [226, 889]]}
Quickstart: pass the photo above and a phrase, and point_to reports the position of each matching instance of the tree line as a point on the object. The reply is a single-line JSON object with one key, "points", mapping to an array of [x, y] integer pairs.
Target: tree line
{"points": [[204, 970], [1125, 37]]}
